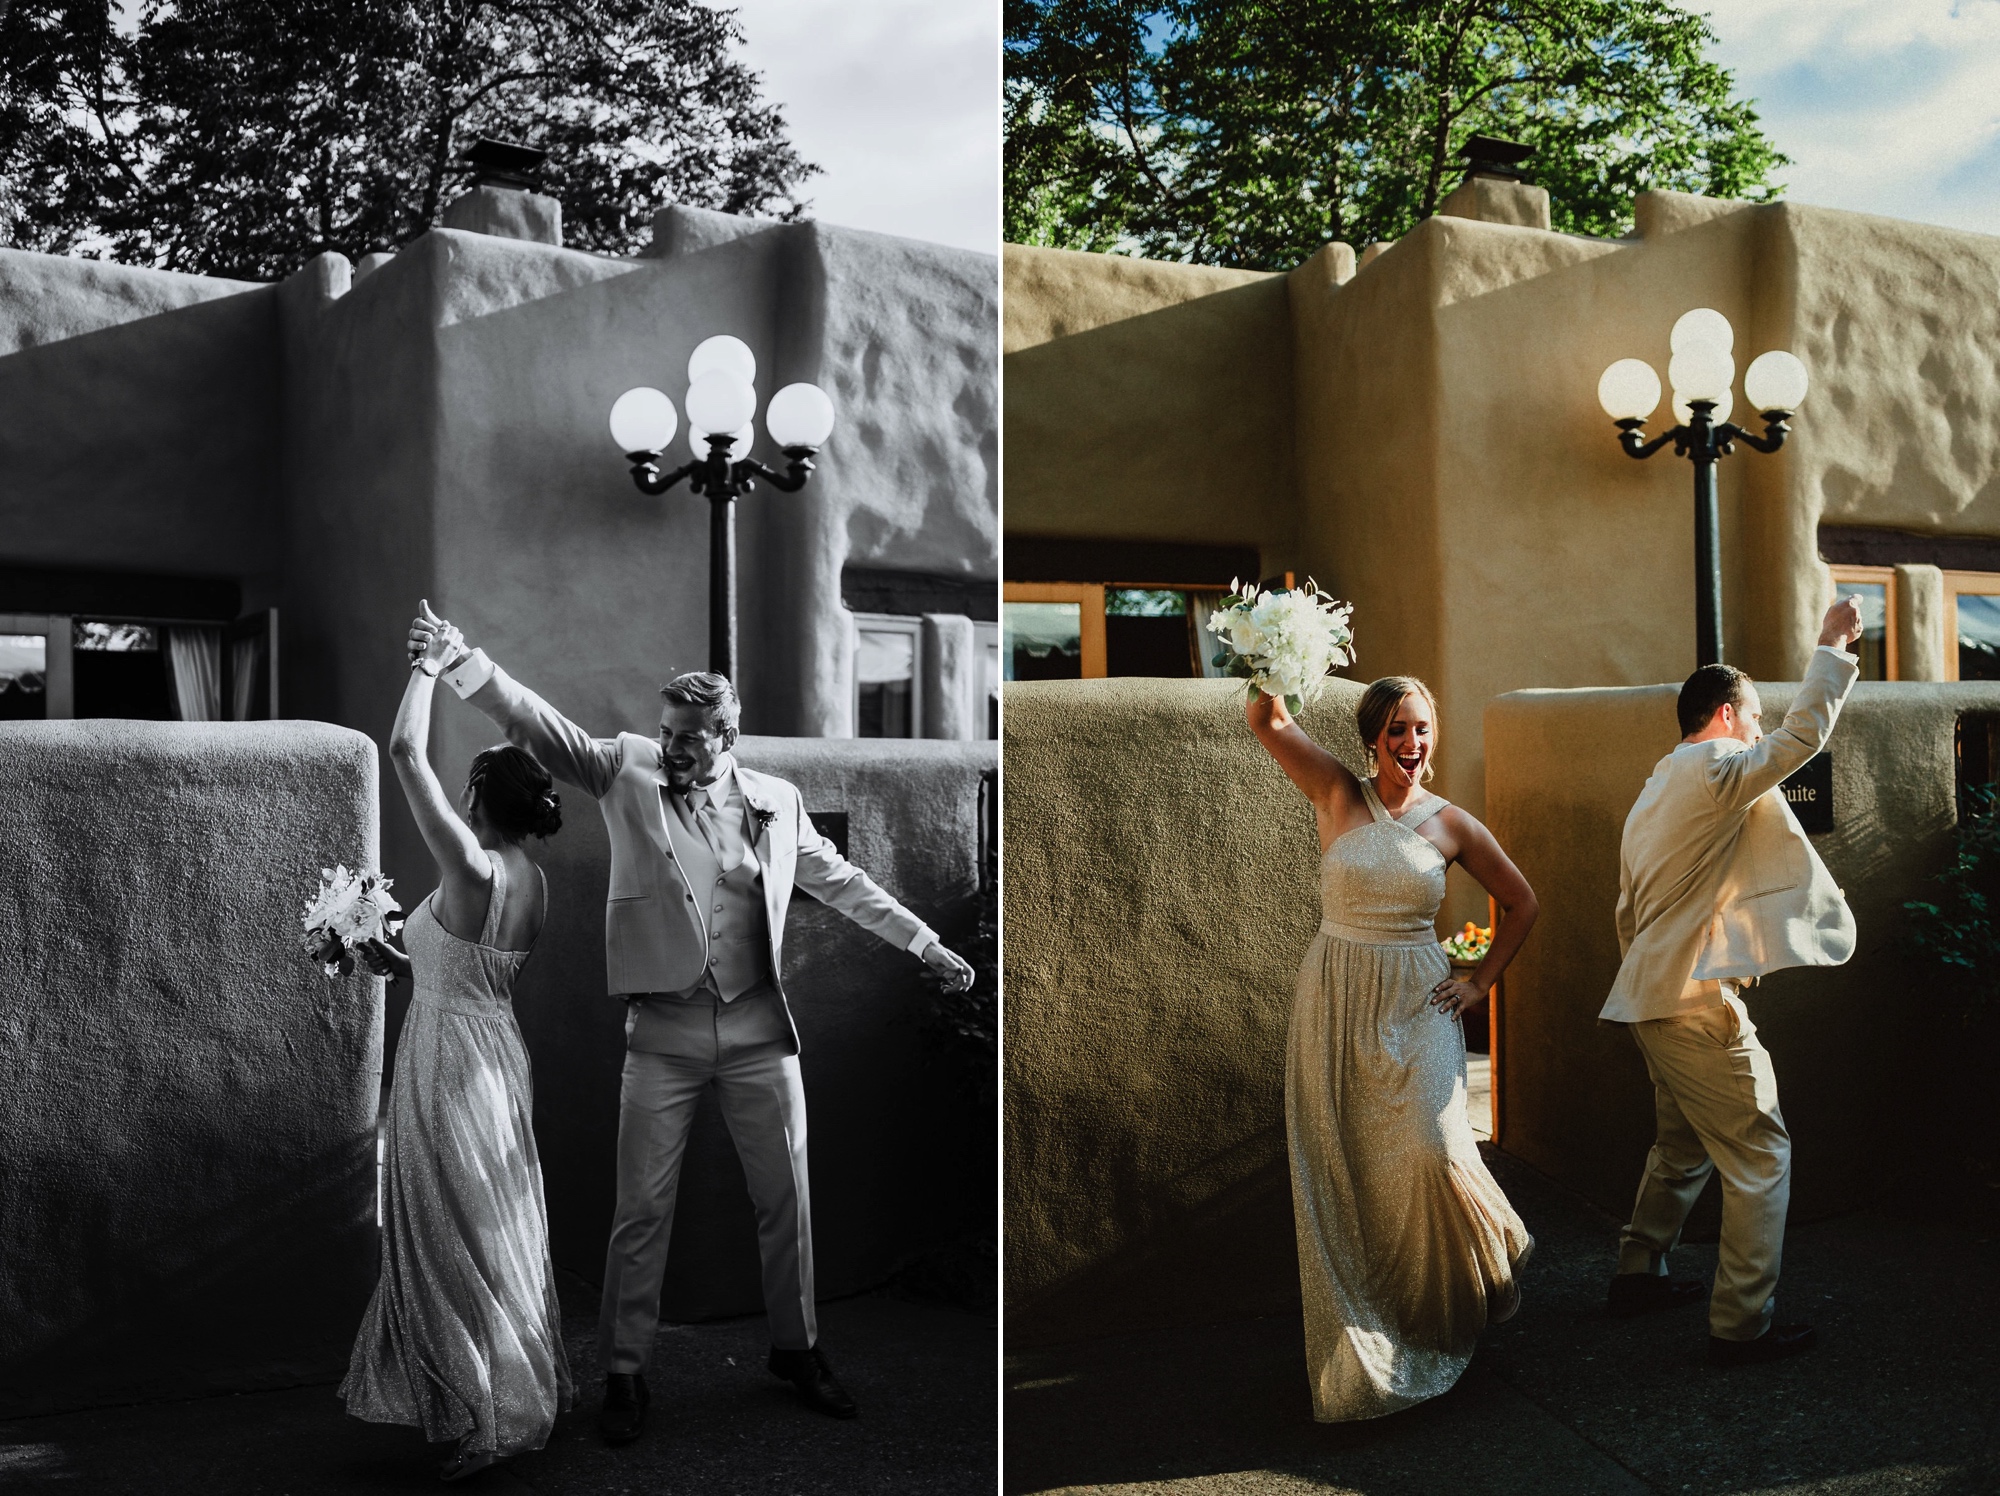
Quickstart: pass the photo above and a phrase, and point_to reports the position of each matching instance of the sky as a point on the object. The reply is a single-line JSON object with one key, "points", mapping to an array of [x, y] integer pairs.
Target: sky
{"points": [[1884, 106], [898, 101]]}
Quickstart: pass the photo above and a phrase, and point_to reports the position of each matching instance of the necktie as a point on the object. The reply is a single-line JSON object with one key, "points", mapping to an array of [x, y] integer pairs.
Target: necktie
{"points": [[707, 819]]}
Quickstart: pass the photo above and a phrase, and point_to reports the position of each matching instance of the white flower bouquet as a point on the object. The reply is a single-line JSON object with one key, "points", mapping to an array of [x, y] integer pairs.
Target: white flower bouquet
{"points": [[1285, 642], [349, 909]]}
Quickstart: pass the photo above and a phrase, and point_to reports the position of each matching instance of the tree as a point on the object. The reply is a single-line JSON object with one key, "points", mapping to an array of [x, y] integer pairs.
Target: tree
{"points": [[1250, 132], [257, 133]]}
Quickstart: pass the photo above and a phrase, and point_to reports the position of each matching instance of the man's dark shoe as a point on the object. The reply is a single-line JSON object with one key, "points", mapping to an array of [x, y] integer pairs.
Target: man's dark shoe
{"points": [[1633, 1294], [807, 1370], [624, 1410], [1773, 1345]]}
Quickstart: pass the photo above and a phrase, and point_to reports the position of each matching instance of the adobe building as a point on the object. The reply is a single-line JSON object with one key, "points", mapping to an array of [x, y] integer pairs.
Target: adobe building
{"points": [[1418, 430], [223, 500]]}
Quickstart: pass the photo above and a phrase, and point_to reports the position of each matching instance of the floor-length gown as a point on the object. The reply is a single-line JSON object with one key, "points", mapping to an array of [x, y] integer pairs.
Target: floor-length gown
{"points": [[1407, 1247], [463, 1337]]}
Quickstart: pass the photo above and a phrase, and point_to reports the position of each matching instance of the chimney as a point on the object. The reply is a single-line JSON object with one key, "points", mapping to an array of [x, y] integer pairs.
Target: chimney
{"points": [[1493, 190], [502, 201]]}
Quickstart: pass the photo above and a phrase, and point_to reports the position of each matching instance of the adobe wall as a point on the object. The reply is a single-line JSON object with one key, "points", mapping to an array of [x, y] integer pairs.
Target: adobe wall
{"points": [[187, 1106], [1854, 1046], [141, 428], [1148, 401], [1160, 894]]}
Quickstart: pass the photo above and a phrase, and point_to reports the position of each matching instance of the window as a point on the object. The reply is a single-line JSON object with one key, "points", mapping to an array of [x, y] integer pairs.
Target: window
{"points": [[1052, 631], [24, 677], [1972, 625], [986, 637], [1876, 587], [888, 676]]}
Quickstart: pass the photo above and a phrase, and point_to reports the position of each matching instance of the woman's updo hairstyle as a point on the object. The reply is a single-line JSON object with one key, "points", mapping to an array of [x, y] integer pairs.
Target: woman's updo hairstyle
{"points": [[516, 793], [1378, 704]]}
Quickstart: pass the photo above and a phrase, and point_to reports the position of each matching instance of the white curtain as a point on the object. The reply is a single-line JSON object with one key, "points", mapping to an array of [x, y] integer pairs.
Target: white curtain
{"points": [[194, 658], [1201, 607], [246, 659]]}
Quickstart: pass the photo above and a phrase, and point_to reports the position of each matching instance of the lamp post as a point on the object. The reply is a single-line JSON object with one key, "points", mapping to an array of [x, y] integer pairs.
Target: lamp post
{"points": [[1702, 370], [721, 401]]}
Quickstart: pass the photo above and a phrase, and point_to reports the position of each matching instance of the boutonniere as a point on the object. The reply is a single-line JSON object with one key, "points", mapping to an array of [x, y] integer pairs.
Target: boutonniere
{"points": [[763, 815]]}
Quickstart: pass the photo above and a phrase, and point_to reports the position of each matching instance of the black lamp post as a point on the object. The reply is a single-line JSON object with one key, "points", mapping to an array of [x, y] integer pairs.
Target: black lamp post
{"points": [[720, 403], [1702, 371]]}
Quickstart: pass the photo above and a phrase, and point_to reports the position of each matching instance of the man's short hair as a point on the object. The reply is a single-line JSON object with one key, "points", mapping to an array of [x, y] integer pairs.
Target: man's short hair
{"points": [[711, 692], [1707, 691]]}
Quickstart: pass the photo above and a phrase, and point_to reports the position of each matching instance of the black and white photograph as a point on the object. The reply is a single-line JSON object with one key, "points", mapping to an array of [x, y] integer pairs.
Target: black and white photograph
{"points": [[499, 714]]}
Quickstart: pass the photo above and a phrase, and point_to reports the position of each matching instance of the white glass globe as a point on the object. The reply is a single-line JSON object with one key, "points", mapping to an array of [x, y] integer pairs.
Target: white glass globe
{"points": [[739, 444], [799, 415], [1629, 390], [1703, 327], [643, 420], [724, 352], [1716, 417], [720, 401], [1702, 372], [1775, 381]]}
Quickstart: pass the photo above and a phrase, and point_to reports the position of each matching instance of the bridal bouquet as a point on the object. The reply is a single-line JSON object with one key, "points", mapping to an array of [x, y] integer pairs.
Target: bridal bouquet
{"points": [[1283, 642], [349, 909]]}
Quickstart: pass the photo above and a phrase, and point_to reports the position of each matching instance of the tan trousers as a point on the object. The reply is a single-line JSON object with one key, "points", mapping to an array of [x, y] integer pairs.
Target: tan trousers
{"points": [[756, 1079], [1716, 1098]]}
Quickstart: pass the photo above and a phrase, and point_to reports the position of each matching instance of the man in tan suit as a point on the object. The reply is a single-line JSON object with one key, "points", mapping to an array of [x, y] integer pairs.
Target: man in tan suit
{"points": [[1717, 886], [705, 855]]}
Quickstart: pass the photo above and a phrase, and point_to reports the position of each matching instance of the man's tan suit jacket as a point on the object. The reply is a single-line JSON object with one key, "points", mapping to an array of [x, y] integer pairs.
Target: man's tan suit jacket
{"points": [[1716, 877], [655, 939]]}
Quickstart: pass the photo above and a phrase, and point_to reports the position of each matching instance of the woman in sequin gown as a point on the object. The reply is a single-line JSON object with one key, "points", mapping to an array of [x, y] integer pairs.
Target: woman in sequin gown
{"points": [[1407, 1247], [463, 1336]]}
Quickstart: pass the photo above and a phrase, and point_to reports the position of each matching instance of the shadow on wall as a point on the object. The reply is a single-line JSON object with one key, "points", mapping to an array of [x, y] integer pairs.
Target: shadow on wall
{"points": [[1855, 1047], [892, 1178], [1160, 894], [187, 1107]]}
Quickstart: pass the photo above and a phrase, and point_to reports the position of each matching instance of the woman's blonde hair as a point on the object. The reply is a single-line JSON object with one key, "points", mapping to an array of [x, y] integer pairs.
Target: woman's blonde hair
{"points": [[1378, 704]]}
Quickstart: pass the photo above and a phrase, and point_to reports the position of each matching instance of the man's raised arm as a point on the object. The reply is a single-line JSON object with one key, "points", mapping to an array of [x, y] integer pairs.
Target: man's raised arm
{"points": [[1740, 778], [563, 748]]}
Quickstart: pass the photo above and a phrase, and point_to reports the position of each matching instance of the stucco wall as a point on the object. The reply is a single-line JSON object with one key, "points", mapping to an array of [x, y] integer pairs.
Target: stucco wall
{"points": [[1851, 1044], [882, 1195], [141, 426], [1160, 894], [1148, 401], [187, 1107]]}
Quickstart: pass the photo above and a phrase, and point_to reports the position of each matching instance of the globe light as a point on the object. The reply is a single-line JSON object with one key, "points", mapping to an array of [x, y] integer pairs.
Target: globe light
{"points": [[724, 352], [1703, 372], [1702, 328], [1629, 390], [1684, 414], [720, 400], [643, 420], [799, 415], [739, 444], [1775, 381]]}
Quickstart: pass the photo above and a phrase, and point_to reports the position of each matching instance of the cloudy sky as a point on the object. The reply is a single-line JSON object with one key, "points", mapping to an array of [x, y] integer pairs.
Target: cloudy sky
{"points": [[899, 101], [1884, 106]]}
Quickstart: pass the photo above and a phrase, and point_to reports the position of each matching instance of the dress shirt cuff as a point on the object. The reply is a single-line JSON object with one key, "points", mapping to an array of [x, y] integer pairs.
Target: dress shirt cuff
{"points": [[474, 671], [925, 938], [1837, 652]]}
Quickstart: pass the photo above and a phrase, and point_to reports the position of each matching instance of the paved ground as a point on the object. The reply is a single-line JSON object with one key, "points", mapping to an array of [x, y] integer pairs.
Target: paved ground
{"points": [[922, 1372], [1903, 1395]]}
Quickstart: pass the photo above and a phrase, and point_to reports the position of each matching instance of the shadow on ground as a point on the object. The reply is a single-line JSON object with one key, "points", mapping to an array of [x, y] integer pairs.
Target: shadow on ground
{"points": [[1902, 1396], [922, 1372]]}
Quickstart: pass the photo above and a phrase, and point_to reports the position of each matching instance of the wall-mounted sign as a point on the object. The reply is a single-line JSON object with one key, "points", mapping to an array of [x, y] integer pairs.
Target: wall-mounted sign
{"points": [[1810, 794]]}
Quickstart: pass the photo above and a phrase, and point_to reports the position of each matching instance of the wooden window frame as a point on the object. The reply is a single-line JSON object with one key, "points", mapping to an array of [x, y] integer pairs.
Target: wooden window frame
{"points": [[59, 669], [1885, 577], [1089, 598], [894, 623], [1979, 584]]}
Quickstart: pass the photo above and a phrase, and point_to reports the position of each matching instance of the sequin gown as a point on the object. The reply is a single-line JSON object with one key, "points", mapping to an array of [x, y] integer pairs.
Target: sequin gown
{"points": [[1407, 1247], [463, 1336]]}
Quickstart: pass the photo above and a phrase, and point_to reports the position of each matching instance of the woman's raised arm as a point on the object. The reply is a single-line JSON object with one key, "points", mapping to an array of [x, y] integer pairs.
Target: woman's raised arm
{"points": [[1321, 778], [463, 866]]}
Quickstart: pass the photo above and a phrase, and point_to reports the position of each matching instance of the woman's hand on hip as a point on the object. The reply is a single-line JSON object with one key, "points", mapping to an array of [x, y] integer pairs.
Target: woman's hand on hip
{"points": [[1453, 996]]}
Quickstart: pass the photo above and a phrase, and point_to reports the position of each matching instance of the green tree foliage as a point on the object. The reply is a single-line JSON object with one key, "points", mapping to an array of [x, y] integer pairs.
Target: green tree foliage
{"points": [[1955, 930], [1250, 132], [241, 137]]}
